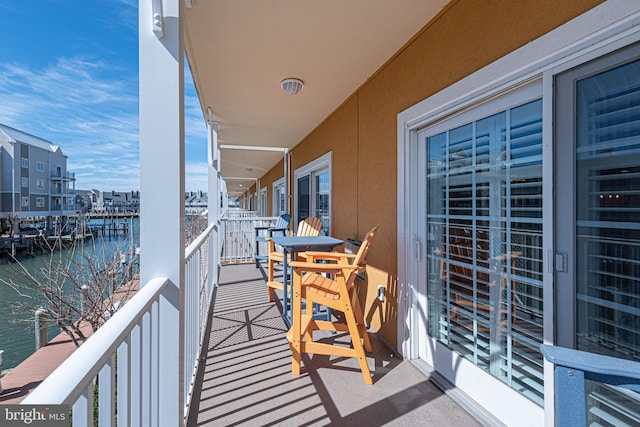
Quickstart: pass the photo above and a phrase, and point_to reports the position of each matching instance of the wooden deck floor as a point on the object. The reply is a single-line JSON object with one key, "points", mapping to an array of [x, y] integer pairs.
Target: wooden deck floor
{"points": [[246, 377]]}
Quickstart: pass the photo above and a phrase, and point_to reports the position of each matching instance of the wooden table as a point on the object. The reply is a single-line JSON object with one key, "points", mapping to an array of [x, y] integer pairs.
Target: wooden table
{"points": [[290, 246]]}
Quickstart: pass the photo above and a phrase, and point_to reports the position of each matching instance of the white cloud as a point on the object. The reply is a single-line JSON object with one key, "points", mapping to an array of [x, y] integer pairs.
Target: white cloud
{"points": [[84, 107], [90, 109], [196, 177]]}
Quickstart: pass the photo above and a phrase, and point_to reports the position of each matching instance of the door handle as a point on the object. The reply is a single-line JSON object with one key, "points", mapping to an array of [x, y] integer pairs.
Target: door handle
{"points": [[561, 262], [418, 248]]}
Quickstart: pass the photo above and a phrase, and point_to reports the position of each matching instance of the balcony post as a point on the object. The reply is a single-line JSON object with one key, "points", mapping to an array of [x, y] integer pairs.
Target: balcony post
{"points": [[161, 68], [214, 193]]}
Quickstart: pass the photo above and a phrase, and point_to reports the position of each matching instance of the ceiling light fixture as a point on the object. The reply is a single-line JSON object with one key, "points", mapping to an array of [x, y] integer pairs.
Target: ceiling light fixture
{"points": [[292, 85]]}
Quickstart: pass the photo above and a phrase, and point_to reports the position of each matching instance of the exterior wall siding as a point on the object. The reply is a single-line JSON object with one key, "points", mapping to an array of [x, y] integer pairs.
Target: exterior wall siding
{"points": [[361, 133], [12, 174], [5, 169]]}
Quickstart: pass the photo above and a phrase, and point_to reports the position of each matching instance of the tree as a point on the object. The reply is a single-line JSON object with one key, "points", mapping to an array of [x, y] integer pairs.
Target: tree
{"points": [[195, 225], [80, 287]]}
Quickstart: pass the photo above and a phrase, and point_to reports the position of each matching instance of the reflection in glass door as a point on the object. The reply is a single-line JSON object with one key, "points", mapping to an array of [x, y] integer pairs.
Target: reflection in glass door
{"points": [[321, 195], [303, 197], [279, 199], [598, 235], [484, 250]]}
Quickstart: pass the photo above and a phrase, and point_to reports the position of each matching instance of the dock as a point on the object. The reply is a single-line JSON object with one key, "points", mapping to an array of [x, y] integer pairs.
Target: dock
{"points": [[21, 380]]}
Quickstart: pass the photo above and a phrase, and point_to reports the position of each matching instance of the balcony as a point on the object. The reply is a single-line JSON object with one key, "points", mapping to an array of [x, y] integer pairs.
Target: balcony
{"points": [[59, 192], [236, 363], [63, 176], [246, 374], [199, 345]]}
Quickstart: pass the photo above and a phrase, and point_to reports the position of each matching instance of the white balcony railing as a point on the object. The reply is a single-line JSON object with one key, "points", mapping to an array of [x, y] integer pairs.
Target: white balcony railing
{"points": [[239, 237], [197, 301], [126, 353], [233, 213], [58, 175]]}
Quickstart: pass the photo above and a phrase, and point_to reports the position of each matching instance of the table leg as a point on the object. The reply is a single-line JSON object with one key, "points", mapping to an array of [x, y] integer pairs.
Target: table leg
{"points": [[296, 329], [285, 287]]}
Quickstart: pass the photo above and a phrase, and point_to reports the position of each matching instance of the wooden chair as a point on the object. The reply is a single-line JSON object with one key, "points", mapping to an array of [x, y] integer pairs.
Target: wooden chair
{"points": [[263, 233], [460, 276], [338, 293], [306, 227]]}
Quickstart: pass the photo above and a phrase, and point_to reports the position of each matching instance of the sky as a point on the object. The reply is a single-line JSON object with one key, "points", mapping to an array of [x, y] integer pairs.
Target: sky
{"points": [[69, 74]]}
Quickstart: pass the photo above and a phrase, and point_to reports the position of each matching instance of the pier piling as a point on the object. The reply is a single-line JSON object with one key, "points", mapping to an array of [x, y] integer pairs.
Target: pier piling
{"points": [[1, 389], [42, 327]]}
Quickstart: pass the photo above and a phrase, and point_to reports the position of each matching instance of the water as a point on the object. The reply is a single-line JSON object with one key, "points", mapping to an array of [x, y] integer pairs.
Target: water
{"points": [[17, 331]]}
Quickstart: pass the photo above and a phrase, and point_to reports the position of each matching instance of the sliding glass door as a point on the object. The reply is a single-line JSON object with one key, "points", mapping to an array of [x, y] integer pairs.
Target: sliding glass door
{"points": [[598, 220], [484, 242], [313, 191]]}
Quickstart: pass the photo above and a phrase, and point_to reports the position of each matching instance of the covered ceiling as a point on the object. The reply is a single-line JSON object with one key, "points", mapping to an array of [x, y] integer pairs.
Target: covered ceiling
{"points": [[240, 50]]}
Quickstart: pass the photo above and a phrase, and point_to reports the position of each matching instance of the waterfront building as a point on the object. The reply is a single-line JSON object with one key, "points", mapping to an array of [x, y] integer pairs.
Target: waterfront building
{"points": [[114, 201], [495, 146], [34, 180], [195, 202], [84, 200]]}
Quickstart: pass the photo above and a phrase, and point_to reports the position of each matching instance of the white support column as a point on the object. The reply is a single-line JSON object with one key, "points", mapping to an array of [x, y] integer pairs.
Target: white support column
{"points": [[162, 187], [287, 197], [213, 185], [213, 191]]}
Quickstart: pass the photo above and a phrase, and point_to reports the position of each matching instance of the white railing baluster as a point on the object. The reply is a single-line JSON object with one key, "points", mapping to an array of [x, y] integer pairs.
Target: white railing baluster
{"points": [[136, 375], [124, 383], [107, 393], [83, 408], [170, 378], [145, 368], [154, 371]]}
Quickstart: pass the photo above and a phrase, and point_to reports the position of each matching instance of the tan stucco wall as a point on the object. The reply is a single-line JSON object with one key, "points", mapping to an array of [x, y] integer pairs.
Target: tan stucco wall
{"points": [[361, 133]]}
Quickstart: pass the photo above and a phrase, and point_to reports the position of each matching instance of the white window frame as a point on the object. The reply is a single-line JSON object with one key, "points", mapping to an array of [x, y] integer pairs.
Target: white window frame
{"points": [[24, 202], [40, 166], [39, 202], [603, 29], [321, 163], [24, 162], [277, 187], [24, 182], [40, 183]]}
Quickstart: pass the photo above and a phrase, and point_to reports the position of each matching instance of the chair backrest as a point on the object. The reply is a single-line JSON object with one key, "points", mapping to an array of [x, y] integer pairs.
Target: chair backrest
{"points": [[461, 251], [282, 221], [309, 227], [279, 228], [359, 260]]}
